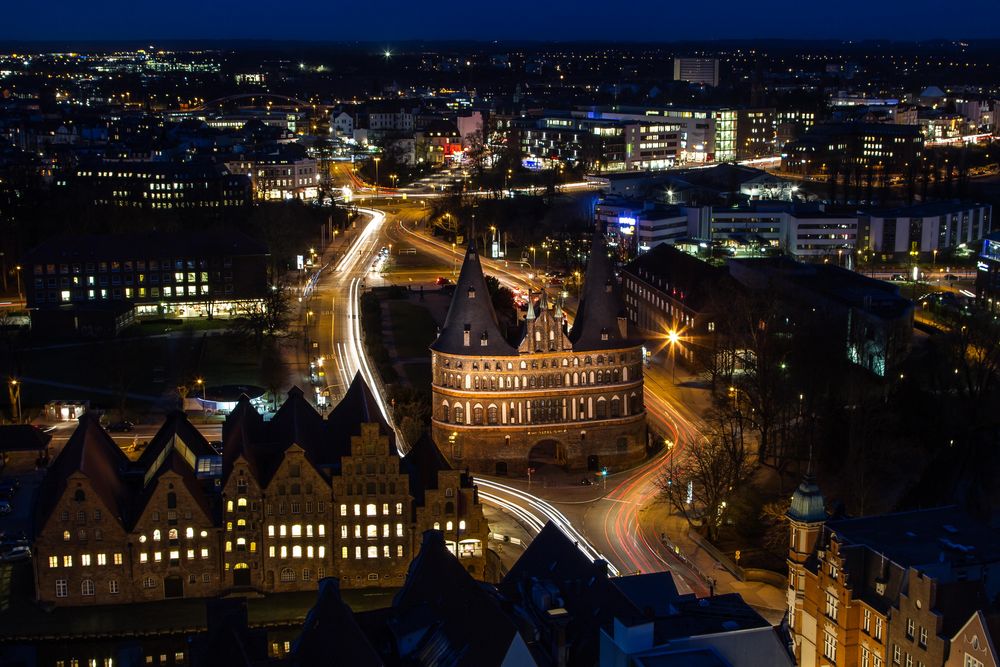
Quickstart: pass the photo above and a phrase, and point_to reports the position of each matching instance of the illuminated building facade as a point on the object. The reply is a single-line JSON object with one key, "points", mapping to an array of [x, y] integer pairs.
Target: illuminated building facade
{"points": [[286, 502], [283, 172], [704, 71], [571, 398], [842, 146], [153, 273], [159, 186]]}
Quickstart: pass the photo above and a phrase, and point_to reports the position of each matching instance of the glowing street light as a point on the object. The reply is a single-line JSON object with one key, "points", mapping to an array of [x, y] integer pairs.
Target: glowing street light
{"points": [[201, 383], [673, 338]]}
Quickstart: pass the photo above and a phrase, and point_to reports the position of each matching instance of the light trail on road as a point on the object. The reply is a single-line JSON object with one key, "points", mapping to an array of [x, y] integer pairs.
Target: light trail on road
{"points": [[552, 514]]}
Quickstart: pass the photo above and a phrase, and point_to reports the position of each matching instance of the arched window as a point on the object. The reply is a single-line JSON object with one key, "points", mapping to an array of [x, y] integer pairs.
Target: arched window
{"points": [[79, 495], [635, 403], [602, 408], [616, 407], [591, 380], [371, 509], [617, 375], [450, 526], [600, 377], [172, 534], [296, 551], [625, 374], [287, 575], [531, 382], [459, 415], [437, 525], [449, 508], [445, 412], [172, 500], [156, 535], [87, 587], [576, 379], [492, 415], [477, 415], [477, 382], [373, 551]]}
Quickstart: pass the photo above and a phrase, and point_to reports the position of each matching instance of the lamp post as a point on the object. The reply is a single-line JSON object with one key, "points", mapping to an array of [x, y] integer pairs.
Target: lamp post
{"points": [[673, 338], [376, 176], [454, 259], [20, 292], [532, 257], [14, 389], [201, 383]]}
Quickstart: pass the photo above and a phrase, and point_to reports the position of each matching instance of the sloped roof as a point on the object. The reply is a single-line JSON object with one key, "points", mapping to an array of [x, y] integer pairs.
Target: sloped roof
{"points": [[358, 406], [92, 452], [600, 305], [472, 310], [459, 621], [330, 636], [176, 430], [243, 427], [174, 462], [423, 463], [296, 421]]}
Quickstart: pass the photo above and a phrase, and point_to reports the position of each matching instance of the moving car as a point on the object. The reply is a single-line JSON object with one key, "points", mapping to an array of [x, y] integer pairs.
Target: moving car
{"points": [[16, 554], [123, 426], [441, 280]]}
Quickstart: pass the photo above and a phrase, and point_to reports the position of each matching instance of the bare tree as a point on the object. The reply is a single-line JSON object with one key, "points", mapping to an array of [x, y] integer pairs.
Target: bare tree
{"points": [[264, 318], [699, 480]]}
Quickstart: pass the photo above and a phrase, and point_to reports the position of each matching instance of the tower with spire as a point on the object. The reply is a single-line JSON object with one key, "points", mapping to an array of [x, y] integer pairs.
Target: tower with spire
{"points": [[554, 394]]}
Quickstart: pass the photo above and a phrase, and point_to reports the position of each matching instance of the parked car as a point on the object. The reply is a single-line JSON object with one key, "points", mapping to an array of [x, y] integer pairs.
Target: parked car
{"points": [[16, 554], [898, 278], [123, 426]]}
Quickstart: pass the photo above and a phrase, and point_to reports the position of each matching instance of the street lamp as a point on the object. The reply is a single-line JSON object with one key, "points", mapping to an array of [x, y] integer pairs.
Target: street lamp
{"points": [[14, 389], [376, 176], [532, 256], [454, 259], [673, 338], [201, 383], [20, 293]]}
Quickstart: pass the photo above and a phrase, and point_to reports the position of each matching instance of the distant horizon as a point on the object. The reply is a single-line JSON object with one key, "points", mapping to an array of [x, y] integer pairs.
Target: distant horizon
{"points": [[642, 21]]}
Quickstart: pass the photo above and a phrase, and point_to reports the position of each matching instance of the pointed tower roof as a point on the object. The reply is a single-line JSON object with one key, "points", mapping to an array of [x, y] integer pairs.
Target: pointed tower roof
{"points": [[472, 311], [596, 323]]}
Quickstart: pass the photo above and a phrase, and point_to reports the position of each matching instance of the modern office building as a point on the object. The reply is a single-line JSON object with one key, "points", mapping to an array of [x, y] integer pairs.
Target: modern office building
{"points": [[634, 227], [988, 274], [572, 398], [154, 273], [286, 502], [840, 147], [924, 229], [158, 186], [704, 71]]}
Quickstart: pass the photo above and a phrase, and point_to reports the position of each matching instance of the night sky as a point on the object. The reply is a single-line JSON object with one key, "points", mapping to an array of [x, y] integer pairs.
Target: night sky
{"points": [[387, 20]]}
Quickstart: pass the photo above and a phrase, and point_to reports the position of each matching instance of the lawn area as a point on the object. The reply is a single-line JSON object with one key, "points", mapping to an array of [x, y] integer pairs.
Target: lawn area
{"points": [[20, 617], [413, 329]]}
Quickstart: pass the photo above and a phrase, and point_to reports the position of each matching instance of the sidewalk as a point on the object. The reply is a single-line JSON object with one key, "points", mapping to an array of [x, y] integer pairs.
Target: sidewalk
{"points": [[767, 599]]}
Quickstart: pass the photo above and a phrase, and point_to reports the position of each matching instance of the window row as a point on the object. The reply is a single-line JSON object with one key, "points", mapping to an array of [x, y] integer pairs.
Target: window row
{"points": [[371, 530], [297, 551], [372, 551], [173, 534], [540, 411], [295, 530], [576, 362], [371, 509], [545, 381], [86, 560], [174, 555]]}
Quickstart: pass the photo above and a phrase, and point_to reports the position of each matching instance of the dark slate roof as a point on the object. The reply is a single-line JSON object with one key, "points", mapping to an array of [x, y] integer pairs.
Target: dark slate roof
{"points": [[553, 568], [144, 244], [655, 592], [330, 635], [23, 438], [472, 310], [923, 537], [704, 616], [176, 427], [600, 305], [690, 280], [244, 427], [358, 406], [296, 422], [458, 620], [92, 452], [423, 463]]}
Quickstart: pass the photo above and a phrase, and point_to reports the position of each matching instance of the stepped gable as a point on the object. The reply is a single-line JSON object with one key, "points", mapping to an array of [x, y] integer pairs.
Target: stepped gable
{"points": [[458, 620], [358, 406], [176, 434], [92, 453], [596, 325], [330, 635], [175, 462], [471, 316]]}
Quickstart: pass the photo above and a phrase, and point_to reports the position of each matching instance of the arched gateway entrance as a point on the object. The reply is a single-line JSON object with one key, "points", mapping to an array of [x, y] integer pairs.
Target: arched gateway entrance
{"points": [[547, 452]]}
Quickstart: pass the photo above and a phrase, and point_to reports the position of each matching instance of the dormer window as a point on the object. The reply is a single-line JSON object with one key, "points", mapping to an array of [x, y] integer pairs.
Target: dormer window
{"points": [[466, 335], [604, 334], [484, 340], [472, 292]]}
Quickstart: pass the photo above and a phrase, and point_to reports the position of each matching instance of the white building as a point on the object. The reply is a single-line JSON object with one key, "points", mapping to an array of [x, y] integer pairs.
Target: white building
{"points": [[925, 228], [697, 70]]}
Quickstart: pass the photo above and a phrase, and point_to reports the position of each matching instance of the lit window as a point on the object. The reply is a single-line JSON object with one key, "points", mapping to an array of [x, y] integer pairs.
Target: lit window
{"points": [[270, 552], [357, 510], [449, 526], [67, 561], [309, 551], [143, 557], [343, 510], [284, 552], [102, 559], [283, 530], [357, 553], [399, 551], [157, 556], [322, 530], [189, 533], [190, 554], [399, 508], [399, 530], [373, 551], [370, 509], [229, 546], [309, 530], [296, 530], [53, 561], [270, 530], [204, 552], [343, 552], [322, 551], [372, 530], [296, 551], [461, 524], [343, 532]]}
